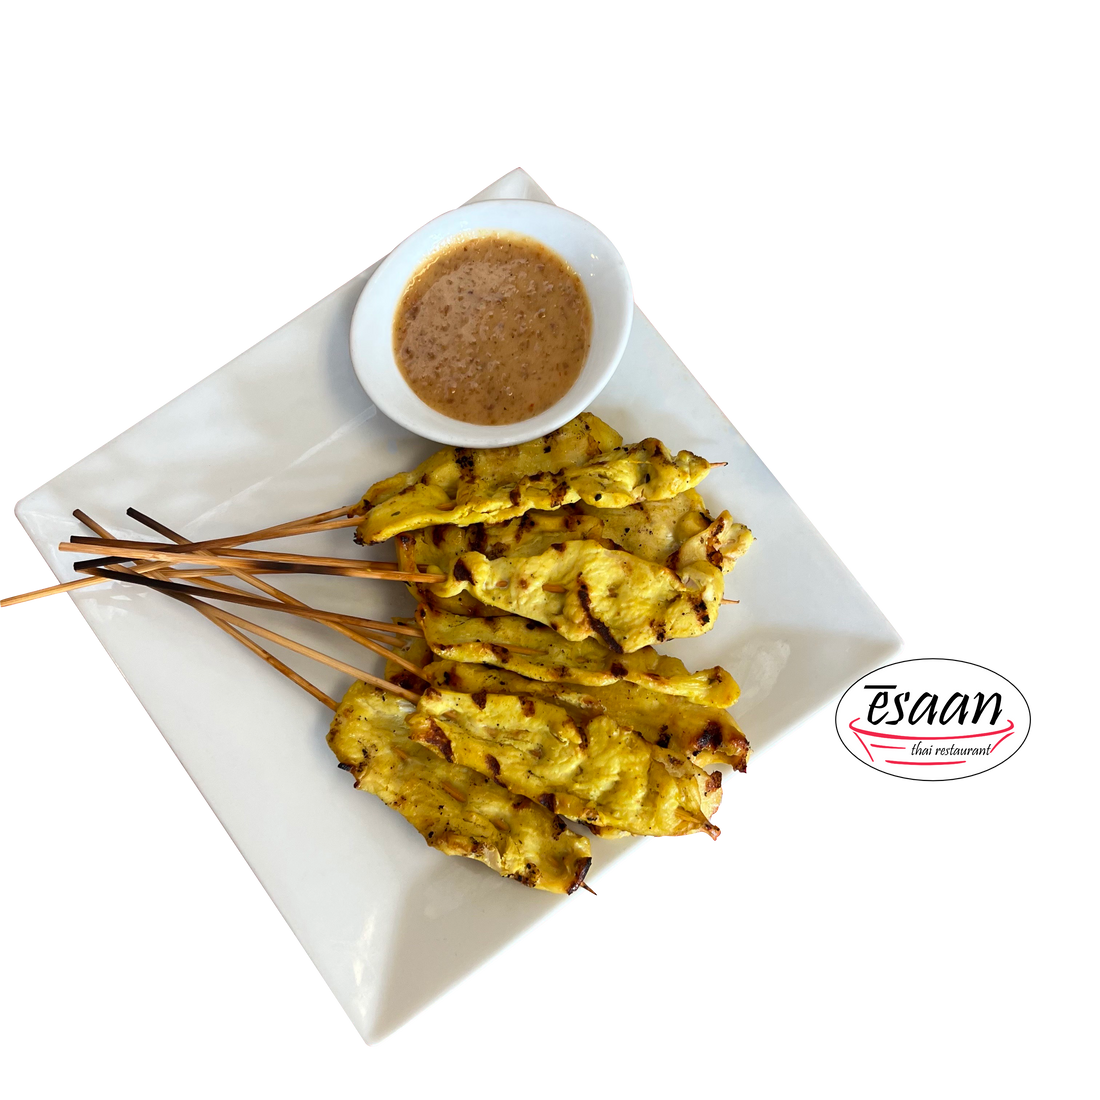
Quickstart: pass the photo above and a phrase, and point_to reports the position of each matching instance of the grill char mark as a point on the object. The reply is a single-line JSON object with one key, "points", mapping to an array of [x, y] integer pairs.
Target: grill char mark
{"points": [[598, 625], [710, 738], [438, 740]]}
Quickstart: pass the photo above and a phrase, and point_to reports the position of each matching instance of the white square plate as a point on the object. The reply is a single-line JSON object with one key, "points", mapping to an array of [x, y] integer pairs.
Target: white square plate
{"points": [[285, 430]]}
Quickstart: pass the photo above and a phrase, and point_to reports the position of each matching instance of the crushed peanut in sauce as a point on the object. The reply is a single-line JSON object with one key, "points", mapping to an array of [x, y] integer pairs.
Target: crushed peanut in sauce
{"points": [[493, 329]]}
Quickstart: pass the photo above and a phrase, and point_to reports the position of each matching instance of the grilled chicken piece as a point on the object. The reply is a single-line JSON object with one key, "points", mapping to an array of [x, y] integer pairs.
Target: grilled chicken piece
{"points": [[705, 735], [652, 529], [720, 544], [456, 810], [587, 663], [456, 475], [672, 532], [464, 487], [598, 773], [435, 548], [583, 590], [573, 444]]}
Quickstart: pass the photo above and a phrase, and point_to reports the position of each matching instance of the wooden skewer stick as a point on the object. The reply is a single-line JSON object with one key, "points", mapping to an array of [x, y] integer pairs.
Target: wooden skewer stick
{"points": [[88, 582], [368, 571], [62, 587], [323, 521], [324, 658], [47, 592], [233, 596], [730, 601], [120, 546], [284, 530], [321, 517], [351, 567], [223, 617], [283, 597], [254, 536], [219, 621], [271, 659], [372, 640]]}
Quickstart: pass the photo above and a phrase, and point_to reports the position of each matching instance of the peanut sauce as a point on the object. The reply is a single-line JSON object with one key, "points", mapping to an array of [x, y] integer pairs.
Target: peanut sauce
{"points": [[493, 329]]}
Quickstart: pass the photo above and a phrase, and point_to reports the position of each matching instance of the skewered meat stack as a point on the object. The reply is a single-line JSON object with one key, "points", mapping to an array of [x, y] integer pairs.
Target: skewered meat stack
{"points": [[555, 566], [526, 689]]}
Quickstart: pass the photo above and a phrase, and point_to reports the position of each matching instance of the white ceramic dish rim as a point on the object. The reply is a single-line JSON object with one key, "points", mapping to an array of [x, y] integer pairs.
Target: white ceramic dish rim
{"points": [[588, 251]]}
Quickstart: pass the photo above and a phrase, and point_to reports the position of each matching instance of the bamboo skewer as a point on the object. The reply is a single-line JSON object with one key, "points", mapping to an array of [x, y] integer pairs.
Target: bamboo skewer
{"points": [[295, 527], [351, 567], [321, 517], [153, 565], [287, 603], [730, 601], [238, 629], [167, 574], [150, 567], [38, 593], [323, 521], [216, 617], [234, 596], [284, 597], [306, 651], [310, 524], [273, 567], [274, 661], [88, 582], [120, 546], [229, 622]]}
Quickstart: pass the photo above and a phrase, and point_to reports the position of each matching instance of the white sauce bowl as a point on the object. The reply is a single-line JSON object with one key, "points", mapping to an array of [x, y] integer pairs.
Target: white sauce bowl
{"points": [[587, 251]]}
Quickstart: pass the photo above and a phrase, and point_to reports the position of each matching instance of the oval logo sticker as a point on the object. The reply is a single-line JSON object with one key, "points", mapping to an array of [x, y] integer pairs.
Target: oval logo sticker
{"points": [[932, 719]]}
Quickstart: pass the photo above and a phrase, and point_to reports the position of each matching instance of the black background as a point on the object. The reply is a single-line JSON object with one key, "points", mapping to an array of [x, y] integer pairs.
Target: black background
{"points": [[844, 322]]}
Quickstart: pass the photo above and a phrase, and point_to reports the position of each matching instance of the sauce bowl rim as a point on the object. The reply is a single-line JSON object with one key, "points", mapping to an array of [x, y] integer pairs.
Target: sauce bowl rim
{"points": [[607, 285]]}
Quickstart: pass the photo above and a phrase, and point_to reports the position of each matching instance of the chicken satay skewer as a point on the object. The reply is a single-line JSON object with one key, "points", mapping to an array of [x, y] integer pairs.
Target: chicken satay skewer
{"points": [[152, 557], [531, 858], [544, 844], [158, 568], [574, 804]]}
